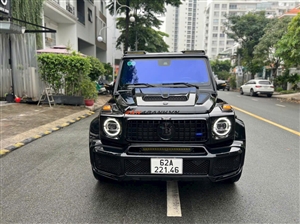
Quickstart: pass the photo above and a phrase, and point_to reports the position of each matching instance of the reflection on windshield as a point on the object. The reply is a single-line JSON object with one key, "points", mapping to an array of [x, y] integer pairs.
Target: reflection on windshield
{"points": [[130, 74], [160, 71]]}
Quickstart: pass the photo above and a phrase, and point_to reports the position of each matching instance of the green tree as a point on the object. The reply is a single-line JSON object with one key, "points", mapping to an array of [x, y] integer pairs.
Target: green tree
{"points": [[247, 30], [288, 47], [29, 11], [144, 38], [221, 68], [264, 51], [108, 71], [294, 79], [135, 35], [96, 69]]}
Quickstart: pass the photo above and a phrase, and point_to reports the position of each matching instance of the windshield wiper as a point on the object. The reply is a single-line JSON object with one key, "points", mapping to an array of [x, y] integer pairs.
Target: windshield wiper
{"points": [[181, 83], [140, 84]]}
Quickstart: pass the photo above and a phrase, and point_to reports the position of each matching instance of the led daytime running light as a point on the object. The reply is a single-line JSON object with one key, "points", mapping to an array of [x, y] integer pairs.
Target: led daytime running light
{"points": [[112, 127], [222, 126]]}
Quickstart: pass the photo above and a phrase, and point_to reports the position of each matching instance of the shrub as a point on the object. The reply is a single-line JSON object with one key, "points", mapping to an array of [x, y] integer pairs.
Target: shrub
{"points": [[232, 81], [88, 89], [294, 79], [97, 68], [64, 73]]}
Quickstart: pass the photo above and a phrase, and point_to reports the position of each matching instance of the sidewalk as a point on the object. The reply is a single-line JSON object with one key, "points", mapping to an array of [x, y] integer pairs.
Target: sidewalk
{"points": [[21, 123], [295, 97]]}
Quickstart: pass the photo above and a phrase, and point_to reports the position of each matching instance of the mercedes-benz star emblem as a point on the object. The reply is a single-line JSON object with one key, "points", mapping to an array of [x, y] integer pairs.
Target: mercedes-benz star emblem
{"points": [[166, 130]]}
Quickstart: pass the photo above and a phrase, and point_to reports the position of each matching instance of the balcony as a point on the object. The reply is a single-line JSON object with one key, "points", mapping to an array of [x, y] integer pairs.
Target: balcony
{"points": [[70, 8]]}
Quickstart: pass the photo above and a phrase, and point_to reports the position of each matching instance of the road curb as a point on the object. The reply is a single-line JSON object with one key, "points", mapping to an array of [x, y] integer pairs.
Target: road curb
{"points": [[26, 141]]}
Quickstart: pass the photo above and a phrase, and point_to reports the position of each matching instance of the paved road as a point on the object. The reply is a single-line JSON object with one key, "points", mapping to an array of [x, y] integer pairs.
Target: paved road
{"points": [[280, 111], [50, 181]]}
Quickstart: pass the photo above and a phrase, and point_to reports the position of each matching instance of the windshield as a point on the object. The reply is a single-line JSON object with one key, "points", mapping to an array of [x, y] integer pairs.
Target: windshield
{"points": [[164, 70]]}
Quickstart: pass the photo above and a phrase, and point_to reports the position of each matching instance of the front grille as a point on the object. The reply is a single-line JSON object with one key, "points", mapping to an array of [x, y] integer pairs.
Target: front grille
{"points": [[196, 166], [162, 150], [169, 98], [108, 164], [137, 166], [226, 164], [183, 130], [190, 166]]}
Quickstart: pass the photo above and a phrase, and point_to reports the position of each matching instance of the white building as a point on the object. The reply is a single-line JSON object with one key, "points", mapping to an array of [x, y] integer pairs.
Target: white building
{"points": [[216, 41], [185, 25], [198, 24], [77, 24]]}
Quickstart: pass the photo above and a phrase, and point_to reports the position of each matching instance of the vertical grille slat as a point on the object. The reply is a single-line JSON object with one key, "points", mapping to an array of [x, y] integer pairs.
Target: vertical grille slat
{"points": [[184, 131]]}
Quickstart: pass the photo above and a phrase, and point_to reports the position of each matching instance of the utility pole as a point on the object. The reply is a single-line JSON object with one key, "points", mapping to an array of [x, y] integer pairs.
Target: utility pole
{"points": [[238, 69], [127, 26], [114, 39], [136, 39]]}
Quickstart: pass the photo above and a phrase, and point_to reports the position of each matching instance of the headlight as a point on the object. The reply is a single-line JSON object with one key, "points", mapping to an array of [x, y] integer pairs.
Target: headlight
{"points": [[222, 127], [112, 127]]}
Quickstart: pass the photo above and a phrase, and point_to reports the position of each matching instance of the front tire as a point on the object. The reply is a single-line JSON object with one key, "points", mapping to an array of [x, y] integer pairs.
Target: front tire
{"points": [[269, 95], [241, 91]]}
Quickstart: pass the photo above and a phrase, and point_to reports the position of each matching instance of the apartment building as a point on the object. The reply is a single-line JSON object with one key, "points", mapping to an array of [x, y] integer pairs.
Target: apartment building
{"points": [[198, 24], [215, 40], [77, 24], [185, 24]]}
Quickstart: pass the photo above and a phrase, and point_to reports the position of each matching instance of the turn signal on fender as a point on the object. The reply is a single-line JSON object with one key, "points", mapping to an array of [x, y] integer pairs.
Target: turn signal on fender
{"points": [[226, 107], [107, 107]]}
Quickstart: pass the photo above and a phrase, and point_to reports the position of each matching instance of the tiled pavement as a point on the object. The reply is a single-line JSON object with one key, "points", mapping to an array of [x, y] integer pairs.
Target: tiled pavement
{"points": [[21, 123]]}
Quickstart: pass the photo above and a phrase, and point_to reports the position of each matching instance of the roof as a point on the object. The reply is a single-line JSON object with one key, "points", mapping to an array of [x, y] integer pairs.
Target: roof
{"points": [[293, 12], [59, 49], [143, 54]]}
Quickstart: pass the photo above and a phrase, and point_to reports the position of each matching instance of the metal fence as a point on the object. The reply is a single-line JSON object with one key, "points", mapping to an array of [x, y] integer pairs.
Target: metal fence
{"points": [[23, 71]]}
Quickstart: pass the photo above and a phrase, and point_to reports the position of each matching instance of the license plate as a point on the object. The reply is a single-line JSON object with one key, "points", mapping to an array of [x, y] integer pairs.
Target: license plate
{"points": [[166, 166]]}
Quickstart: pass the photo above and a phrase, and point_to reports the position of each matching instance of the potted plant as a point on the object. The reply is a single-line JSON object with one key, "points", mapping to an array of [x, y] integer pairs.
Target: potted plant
{"points": [[88, 91]]}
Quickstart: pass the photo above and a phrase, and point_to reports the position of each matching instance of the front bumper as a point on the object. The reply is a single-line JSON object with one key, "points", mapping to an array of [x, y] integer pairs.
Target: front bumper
{"points": [[108, 162]]}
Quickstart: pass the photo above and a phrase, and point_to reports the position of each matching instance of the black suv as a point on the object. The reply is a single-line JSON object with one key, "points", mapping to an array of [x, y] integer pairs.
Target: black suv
{"points": [[165, 121]]}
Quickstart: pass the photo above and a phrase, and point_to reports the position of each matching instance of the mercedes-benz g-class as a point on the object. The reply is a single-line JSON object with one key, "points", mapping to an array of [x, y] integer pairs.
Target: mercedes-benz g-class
{"points": [[165, 121]]}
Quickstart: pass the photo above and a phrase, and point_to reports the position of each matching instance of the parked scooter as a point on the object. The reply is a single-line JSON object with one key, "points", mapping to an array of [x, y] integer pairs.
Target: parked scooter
{"points": [[110, 87], [101, 88]]}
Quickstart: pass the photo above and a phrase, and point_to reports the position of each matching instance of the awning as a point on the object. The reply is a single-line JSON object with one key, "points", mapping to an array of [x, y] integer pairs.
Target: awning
{"points": [[10, 27], [7, 25]]}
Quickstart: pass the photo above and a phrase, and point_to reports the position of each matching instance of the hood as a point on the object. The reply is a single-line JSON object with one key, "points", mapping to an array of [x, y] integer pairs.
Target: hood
{"points": [[165, 100]]}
